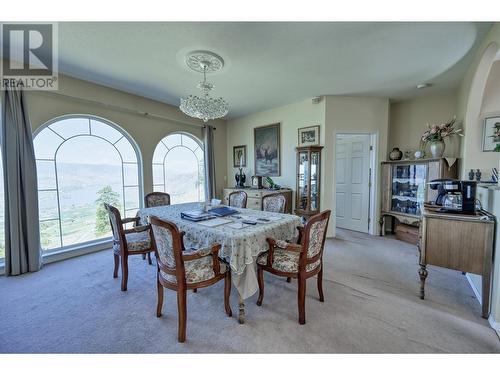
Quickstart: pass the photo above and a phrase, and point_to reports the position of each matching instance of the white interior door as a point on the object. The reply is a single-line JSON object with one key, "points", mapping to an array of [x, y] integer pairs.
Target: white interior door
{"points": [[352, 171]]}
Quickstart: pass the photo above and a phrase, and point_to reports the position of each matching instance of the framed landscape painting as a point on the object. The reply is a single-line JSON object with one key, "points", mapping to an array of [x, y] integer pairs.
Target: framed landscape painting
{"points": [[239, 156], [309, 136], [267, 160]]}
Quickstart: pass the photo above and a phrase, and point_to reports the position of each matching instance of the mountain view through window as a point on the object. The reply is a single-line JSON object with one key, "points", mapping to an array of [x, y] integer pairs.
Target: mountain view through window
{"points": [[83, 162], [178, 168]]}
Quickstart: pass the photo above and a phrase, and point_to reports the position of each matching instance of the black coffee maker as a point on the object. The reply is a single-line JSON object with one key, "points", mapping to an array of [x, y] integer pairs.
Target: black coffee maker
{"points": [[455, 196]]}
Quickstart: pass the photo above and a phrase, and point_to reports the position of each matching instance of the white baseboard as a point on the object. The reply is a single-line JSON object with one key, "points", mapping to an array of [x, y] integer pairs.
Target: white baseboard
{"points": [[476, 292], [494, 324], [71, 252], [76, 251]]}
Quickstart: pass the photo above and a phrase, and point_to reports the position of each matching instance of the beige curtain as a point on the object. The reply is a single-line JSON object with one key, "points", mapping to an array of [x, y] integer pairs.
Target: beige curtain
{"points": [[22, 238]]}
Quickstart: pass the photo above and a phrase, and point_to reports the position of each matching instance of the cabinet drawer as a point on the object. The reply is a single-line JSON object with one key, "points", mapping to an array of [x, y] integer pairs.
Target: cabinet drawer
{"points": [[254, 194], [253, 203]]}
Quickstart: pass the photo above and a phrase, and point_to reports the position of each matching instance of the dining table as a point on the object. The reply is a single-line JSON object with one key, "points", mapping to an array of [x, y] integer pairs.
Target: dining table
{"points": [[240, 243]]}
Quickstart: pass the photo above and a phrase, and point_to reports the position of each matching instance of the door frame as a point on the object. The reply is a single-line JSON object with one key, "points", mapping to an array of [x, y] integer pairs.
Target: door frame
{"points": [[373, 161]]}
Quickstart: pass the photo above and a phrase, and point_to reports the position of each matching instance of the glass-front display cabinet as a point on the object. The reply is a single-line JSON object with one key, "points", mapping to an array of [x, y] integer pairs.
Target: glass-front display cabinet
{"points": [[308, 180], [408, 188], [405, 187]]}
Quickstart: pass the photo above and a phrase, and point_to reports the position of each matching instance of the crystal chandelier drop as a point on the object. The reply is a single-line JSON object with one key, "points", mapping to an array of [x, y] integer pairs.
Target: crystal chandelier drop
{"points": [[204, 107]]}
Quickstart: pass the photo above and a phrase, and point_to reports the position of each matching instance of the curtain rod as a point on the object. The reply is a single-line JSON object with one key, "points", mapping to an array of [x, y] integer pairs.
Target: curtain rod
{"points": [[119, 108]]}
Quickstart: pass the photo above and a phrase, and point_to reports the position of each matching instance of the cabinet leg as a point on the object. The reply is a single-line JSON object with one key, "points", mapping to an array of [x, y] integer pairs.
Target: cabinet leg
{"points": [[423, 275], [381, 222], [486, 294]]}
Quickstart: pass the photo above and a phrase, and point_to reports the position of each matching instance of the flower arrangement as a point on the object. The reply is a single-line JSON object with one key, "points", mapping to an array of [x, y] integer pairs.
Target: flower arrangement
{"points": [[437, 132]]}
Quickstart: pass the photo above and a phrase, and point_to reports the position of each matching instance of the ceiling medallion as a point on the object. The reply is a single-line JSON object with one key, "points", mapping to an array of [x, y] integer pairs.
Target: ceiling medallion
{"points": [[204, 107]]}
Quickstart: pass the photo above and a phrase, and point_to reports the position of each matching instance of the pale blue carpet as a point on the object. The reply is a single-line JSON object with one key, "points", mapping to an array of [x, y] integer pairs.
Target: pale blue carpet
{"points": [[372, 306]]}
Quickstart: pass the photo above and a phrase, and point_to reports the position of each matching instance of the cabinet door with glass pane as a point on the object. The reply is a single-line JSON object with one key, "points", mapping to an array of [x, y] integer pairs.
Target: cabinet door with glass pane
{"points": [[308, 180], [408, 188]]}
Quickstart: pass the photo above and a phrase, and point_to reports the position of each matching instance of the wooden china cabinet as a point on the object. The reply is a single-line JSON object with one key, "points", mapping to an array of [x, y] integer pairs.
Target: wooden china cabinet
{"points": [[405, 188], [307, 202]]}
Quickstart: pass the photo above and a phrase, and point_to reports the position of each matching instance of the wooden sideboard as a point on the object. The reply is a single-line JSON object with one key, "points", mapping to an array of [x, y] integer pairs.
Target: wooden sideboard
{"points": [[458, 242], [254, 200]]}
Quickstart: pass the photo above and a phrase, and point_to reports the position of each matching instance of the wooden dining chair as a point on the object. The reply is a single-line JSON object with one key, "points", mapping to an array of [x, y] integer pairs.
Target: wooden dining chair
{"points": [[179, 270], [156, 198], [238, 199], [302, 260], [126, 242], [274, 203]]}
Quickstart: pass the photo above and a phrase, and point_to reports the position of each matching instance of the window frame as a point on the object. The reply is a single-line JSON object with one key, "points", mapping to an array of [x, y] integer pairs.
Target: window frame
{"points": [[201, 146], [99, 243]]}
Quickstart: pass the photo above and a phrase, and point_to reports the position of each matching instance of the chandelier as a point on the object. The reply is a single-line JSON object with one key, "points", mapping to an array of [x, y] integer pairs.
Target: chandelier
{"points": [[204, 107]]}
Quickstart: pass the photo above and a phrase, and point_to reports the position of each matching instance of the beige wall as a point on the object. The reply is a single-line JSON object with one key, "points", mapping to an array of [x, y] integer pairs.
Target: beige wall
{"points": [[80, 97], [470, 106], [292, 117], [334, 114], [354, 115], [491, 98], [470, 100], [409, 119]]}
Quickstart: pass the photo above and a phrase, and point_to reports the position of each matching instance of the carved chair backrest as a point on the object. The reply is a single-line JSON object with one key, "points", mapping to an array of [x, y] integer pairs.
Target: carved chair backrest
{"points": [[157, 198], [115, 220], [274, 203], [238, 199], [314, 237], [168, 243]]}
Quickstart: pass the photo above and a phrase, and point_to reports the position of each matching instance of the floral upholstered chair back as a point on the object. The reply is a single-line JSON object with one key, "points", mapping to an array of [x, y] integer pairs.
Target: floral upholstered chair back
{"points": [[315, 233], [274, 203], [167, 240], [116, 226], [238, 199], [156, 199]]}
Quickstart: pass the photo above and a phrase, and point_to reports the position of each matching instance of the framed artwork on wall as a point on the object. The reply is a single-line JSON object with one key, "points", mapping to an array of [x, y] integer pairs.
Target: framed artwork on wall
{"points": [[309, 136], [491, 133], [267, 152], [239, 156]]}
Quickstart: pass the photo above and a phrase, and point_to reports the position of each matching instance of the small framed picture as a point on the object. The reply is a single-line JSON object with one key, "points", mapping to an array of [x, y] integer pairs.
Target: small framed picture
{"points": [[491, 133], [240, 156], [309, 136]]}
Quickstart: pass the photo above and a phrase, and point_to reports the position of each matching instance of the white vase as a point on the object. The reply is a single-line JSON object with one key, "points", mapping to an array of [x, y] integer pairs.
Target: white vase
{"points": [[437, 149]]}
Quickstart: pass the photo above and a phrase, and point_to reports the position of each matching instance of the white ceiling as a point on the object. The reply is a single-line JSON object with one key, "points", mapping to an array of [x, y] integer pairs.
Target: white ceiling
{"points": [[271, 64]]}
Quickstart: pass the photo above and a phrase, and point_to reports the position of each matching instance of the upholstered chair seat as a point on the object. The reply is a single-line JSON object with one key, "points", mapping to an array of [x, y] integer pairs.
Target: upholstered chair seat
{"points": [[138, 241], [285, 261], [197, 270]]}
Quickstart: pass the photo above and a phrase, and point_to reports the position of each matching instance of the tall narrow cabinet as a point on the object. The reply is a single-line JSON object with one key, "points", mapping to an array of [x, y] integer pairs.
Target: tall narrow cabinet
{"points": [[308, 193], [405, 187]]}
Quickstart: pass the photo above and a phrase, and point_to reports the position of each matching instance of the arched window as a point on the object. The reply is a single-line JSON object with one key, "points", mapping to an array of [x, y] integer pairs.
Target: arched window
{"points": [[83, 161], [179, 168]]}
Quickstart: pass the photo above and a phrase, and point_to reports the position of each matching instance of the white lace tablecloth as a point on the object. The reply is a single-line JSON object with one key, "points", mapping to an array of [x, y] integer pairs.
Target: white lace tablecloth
{"points": [[239, 246]]}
